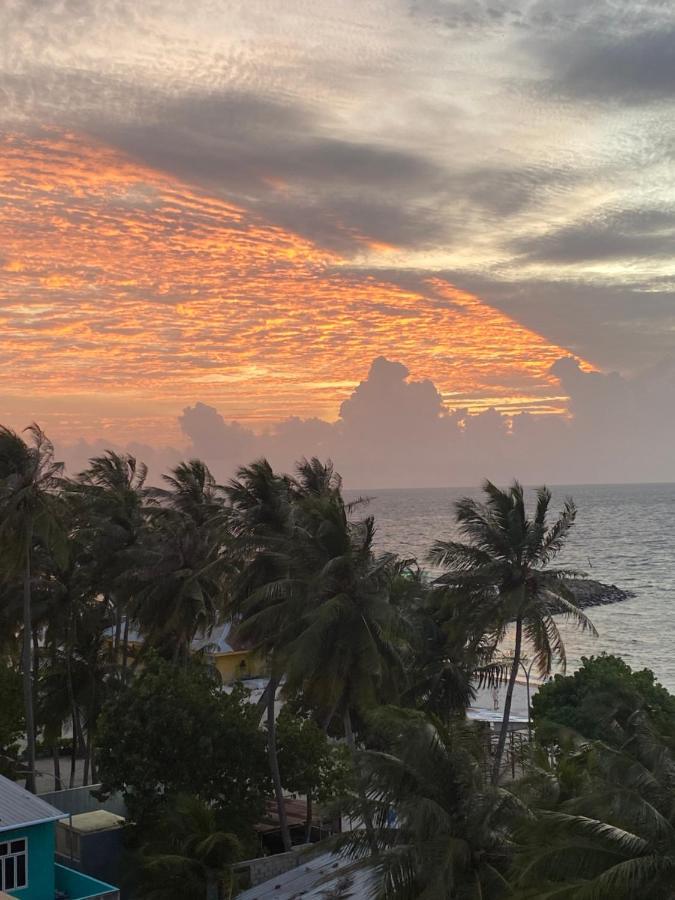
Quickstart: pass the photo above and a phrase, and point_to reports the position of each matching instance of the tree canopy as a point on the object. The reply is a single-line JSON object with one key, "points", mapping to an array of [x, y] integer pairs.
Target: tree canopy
{"points": [[172, 731], [599, 698]]}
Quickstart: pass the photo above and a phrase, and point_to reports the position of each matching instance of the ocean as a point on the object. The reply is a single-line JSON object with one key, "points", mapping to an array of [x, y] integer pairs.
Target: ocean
{"points": [[624, 535]]}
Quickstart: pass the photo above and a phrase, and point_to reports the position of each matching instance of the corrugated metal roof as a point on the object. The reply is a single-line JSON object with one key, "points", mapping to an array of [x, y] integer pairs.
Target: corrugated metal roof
{"points": [[215, 641], [19, 807], [327, 875]]}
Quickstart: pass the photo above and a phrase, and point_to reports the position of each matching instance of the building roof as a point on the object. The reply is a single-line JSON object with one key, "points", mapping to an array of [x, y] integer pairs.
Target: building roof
{"points": [[97, 820], [320, 877], [19, 807], [217, 641], [478, 714]]}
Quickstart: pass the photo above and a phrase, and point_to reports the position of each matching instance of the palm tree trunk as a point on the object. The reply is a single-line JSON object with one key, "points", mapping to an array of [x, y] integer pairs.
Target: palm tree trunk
{"points": [[365, 812], [74, 714], [263, 701], [35, 638], [57, 766], [274, 763], [501, 743], [73, 761], [115, 649], [308, 818], [125, 643], [27, 666], [91, 728]]}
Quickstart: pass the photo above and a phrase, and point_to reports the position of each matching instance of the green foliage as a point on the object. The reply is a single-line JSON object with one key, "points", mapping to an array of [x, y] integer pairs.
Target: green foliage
{"points": [[599, 698], [501, 576], [310, 763], [173, 731], [441, 831], [603, 824], [189, 853]]}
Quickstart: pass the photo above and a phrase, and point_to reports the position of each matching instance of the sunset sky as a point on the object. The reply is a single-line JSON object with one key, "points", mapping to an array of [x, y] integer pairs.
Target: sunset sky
{"points": [[231, 209]]}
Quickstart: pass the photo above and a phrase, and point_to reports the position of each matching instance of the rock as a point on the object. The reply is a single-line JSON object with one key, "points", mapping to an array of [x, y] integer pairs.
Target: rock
{"points": [[588, 592]]}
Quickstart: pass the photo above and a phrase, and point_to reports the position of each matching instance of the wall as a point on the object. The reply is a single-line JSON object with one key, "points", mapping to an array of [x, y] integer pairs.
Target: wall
{"points": [[264, 867], [77, 800], [40, 860], [82, 887], [230, 667]]}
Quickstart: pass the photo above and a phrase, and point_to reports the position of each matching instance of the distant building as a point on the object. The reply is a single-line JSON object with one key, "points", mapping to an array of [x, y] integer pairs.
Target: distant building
{"points": [[233, 662], [27, 843]]}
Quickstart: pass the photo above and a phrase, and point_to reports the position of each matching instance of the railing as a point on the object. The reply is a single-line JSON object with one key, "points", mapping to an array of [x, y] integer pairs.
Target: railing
{"points": [[516, 752]]}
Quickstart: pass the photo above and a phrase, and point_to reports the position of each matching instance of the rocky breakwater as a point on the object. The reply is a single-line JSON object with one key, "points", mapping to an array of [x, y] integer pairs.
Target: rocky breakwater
{"points": [[588, 592]]}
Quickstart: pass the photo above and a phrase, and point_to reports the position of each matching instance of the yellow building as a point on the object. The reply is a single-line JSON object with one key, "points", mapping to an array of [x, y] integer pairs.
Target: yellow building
{"points": [[232, 663]]}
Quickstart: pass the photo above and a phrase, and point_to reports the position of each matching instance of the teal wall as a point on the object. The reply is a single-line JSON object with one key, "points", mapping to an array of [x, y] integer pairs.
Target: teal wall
{"points": [[40, 860], [82, 887]]}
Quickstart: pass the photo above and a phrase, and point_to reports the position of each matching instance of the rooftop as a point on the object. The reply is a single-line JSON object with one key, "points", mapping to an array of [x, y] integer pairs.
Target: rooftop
{"points": [[329, 874], [97, 820], [19, 807], [217, 641]]}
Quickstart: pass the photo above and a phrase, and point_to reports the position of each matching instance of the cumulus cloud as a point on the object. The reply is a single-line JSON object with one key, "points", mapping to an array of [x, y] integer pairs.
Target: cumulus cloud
{"points": [[396, 431]]}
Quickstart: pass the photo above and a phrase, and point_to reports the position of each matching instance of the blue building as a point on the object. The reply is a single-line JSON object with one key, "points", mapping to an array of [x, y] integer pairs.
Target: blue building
{"points": [[27, 867]]}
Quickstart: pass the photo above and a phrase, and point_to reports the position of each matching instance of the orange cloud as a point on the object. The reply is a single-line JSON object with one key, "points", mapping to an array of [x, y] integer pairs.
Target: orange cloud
{"points": [[120, 283]]}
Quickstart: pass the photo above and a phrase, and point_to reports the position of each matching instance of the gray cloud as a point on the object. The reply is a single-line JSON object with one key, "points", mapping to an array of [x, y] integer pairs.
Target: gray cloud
{"points": [[623, 234], [632, 69]]}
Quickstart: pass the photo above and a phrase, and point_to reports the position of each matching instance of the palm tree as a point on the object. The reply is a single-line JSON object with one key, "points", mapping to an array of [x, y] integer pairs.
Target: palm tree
{"points": [[441, 831], [501, 576], [261, 507], [191, 854], [29, 478], [449, 655], [192, 491], [178, 584], [603, 823], [113, 491], [336, 634]]}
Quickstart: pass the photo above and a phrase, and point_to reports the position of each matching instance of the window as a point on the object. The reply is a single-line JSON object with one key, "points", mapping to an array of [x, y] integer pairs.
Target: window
{"points": [[13, 864]]}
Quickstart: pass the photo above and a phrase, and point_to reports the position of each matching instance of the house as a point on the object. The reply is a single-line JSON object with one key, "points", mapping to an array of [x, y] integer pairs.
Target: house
{"points": [[234, 663], [27, 842]]}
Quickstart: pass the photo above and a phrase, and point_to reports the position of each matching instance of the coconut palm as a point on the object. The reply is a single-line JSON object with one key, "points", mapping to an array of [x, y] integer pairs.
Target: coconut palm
{"points": [[191, 854], [337, 636], [450, 653], [441, 831], [112, 491], [603, 825], [260, 501], [29, 477], [192, 491], [178, 583], [501, 576]]}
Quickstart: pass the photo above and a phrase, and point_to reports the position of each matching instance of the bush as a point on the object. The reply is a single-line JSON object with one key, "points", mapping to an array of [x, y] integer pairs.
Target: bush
{"points": [[172, 731], [599, 698]]}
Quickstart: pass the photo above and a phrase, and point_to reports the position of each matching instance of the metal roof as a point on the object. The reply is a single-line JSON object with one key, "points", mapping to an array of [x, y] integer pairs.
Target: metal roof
{"points": [[216, 641], [327, 875], [19, 807]]}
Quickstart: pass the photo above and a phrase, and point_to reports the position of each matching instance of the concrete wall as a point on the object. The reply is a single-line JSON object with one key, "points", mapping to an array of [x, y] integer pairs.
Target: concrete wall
{"points": [[262, 868], [80, 800]]}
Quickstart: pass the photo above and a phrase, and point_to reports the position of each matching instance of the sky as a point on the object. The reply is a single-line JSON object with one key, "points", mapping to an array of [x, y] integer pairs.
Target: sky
{"points": [[433, 239]]}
